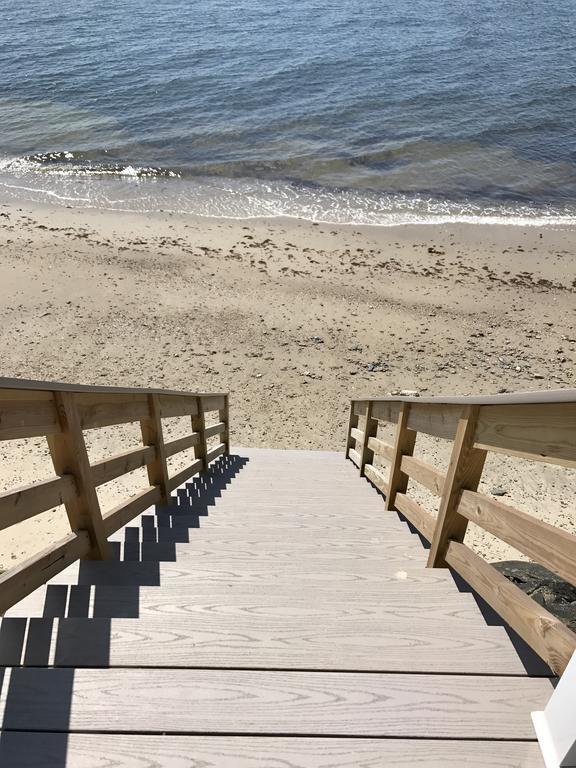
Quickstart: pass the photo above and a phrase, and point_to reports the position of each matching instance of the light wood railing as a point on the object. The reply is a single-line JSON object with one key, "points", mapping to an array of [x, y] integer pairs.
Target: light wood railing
{"points": [[534, 426], [61, 413]]}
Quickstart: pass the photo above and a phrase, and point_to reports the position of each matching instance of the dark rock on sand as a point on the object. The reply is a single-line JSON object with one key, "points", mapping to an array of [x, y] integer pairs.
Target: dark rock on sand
{"points": [[543, 586]]}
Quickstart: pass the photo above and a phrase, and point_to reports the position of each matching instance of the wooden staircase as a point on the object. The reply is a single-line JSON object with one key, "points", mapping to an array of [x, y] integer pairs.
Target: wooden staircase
{"points": [[270, 615]]}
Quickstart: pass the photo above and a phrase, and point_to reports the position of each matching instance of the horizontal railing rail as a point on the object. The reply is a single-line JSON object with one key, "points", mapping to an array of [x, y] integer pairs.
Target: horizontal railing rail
{"points": [[535, 426], [61, 413]]}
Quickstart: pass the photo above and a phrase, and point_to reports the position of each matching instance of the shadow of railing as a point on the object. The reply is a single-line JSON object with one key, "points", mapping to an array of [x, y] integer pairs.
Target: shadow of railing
{"points": [[533, 664], [40, 654]]}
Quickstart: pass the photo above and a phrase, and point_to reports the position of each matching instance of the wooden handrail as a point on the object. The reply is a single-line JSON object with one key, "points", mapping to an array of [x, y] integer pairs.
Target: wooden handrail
{"points": [[508, 398], [539, 426], [61, 413], [58, 386]]}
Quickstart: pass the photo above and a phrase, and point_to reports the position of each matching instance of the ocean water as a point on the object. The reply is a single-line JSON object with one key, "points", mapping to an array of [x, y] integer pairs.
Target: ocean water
{"points": [[366, 111]]}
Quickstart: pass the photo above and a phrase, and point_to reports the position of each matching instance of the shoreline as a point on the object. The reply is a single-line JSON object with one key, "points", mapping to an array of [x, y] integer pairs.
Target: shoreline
{"points": [[305, 203], [292, 317]]}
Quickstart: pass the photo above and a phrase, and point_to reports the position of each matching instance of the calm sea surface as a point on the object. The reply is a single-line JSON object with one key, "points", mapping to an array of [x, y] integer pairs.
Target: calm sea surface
{"points": [[377, 111]]}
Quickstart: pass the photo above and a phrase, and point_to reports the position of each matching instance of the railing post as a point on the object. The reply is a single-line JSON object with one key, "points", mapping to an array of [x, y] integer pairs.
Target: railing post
{"points": [[464, 473], [370, 430], [69, 457], [199, 425], [403, 446], [152, 434], [352, 422], [224, 416]]}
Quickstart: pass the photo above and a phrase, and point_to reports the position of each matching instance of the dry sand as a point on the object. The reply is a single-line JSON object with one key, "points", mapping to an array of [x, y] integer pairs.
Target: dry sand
{"points": [[293, 318]]}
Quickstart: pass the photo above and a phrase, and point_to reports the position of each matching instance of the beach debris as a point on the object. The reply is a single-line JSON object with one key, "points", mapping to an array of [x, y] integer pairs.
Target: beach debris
{"points": [[405, 392], [401, 575], [378, 366]]}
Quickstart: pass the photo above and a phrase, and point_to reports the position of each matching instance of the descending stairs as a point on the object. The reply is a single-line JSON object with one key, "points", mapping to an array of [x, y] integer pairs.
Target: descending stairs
{"points": [[272, 615]]}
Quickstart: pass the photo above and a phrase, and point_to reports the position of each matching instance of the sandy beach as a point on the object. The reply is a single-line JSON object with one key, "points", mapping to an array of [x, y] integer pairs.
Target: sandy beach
{"points": [[293, 318]]}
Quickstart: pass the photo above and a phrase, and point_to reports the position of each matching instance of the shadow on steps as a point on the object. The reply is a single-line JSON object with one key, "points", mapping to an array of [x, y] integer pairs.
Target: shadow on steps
{"points": [[37, 695]]}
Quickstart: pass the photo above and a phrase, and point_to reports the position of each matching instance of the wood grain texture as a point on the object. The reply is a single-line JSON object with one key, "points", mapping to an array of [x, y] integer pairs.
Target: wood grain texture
{"points": [[215, 452], [23, 388], [377, 478], [422, 602], [264, 641], [152, 435], [435, 420], [98, 410], [26, 502], [201, 543], [199, 426], [179, 405], [286, 558], [8, 394], [45, 750], [552, 547], [27, 418], [110, 468], [543, 432], [232, 701], [549, 637], [359, 407], [215, 429], [126, 511], [370, 430], [303, 527], [355, 456], [24, 578], [70, 457], [388, 412], [423, 473], [464, 473], [352, 424], [357, 434], [181, 444], [422, 520], [185, 474], [213, 403], [224, 417], [403, 446], [381, 448], [336, 574], [268, 517]]}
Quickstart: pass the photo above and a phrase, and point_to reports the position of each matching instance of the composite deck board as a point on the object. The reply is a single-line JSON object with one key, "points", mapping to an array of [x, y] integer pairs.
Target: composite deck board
{"points": [[425, 601], [203, 542], [254, 559], [48, 750], [262, 702], [268, 537], [155, 573], [272, 600], [261, 642]]}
